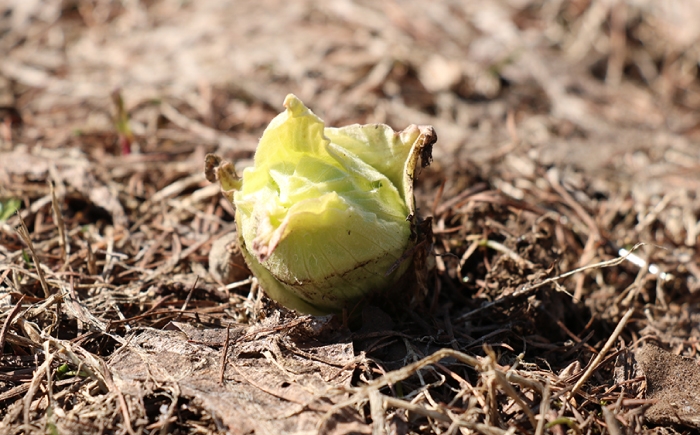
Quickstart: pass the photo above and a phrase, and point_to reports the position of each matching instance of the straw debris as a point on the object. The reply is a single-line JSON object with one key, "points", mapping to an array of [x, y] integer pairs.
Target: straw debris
{"points": [[568, 138]]}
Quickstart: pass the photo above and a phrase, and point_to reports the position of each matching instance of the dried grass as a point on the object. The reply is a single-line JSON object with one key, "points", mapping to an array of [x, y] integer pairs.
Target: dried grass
{"points": [[567, 136]]}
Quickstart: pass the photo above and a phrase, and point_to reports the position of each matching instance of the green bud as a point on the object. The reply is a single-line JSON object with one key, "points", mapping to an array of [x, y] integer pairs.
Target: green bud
{"points": [[326, 215]]}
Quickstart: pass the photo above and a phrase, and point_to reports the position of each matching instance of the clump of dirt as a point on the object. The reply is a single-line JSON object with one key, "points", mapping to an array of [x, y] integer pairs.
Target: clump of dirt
{"points": [[672, 384]]}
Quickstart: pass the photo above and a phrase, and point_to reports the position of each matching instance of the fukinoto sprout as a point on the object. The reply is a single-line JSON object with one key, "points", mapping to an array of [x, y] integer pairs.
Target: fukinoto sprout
{"points": [[326, 216]]}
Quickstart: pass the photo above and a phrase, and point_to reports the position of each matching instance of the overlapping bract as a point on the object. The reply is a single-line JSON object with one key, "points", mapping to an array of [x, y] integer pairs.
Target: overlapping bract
{"points": [[325, 215]]}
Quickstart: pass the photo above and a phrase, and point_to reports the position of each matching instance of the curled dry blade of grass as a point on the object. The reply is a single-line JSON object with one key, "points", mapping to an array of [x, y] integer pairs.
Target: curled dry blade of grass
{"points": [[529, 288], [34, 385], [60, 223], [68, 352], [484, 366], [544, 408], [488, 369], [87, 365], [564, 25], [24, 234], [608, 345], [8, 321]]}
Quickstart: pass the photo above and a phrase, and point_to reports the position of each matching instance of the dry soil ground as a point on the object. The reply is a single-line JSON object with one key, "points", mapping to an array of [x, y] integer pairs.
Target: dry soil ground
{"points": [[568, 133]]}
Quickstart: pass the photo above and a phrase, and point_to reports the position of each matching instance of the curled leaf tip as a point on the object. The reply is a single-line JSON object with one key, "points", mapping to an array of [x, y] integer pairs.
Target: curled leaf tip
{"points": [[295, 108], [429, 139], [294, 105], [218, 170]]}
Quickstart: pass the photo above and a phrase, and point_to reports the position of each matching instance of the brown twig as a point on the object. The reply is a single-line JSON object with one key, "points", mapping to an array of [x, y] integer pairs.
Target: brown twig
{"points": [[8, 321], [608, 345], [224, 352], [60, 223], [24, 234], [189, 295]]}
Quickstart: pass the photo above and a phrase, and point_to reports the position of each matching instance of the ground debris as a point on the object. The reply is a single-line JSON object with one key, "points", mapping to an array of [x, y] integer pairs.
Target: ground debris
{"points": [[264, 389], [568, 135], [673, 383]]}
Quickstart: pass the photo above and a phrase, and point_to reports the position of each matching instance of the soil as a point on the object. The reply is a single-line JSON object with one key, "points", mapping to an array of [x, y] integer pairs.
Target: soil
{"points": [[559, 293]]}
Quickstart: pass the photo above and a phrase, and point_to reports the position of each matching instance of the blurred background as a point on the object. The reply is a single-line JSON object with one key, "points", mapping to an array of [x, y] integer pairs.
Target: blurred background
{"points": [[609, 87], [609, 75], [566, 131]]}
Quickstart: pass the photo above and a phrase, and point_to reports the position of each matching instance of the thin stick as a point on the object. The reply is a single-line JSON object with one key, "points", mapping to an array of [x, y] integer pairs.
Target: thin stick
{"points": [[608, 345], [544, 409], [509, 252], [34, 386], [416, 409], [510, 391], [24, 234], [223, 356], [123, 407], [91, 260], [611, 421], [529, 288], [376, 409], [8, 321], [407, 371], [392, 402], [189, 295], [60, 223]]}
